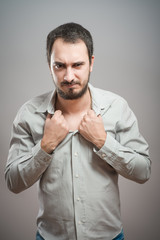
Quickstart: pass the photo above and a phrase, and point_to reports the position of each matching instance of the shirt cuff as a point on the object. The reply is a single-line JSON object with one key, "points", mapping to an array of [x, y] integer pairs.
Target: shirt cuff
{"points": [[108, 150], [110, 153], [40, 155]]}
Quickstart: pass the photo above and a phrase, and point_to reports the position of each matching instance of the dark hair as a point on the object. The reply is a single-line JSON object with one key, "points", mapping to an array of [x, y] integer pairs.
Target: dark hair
{"points": [[70, 32]]}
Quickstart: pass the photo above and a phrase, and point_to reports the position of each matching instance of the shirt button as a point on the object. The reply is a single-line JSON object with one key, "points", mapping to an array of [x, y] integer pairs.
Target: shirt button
{"points": [[103, 155], [78, 199], [77, 176], [79, 222], [76, 154]]}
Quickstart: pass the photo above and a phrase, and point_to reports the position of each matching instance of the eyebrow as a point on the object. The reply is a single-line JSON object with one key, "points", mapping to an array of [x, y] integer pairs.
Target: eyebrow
{"points": [[79, 63], [63, 64], [56, 63]]}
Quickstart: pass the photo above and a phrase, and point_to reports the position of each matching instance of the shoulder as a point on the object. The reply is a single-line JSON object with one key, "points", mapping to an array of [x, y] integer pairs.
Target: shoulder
{"points": [[30, 107], [34, 103], [103, 97]]}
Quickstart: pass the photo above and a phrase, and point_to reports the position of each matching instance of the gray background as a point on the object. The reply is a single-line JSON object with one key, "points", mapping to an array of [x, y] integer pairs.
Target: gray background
{"points": [[127, 61]]}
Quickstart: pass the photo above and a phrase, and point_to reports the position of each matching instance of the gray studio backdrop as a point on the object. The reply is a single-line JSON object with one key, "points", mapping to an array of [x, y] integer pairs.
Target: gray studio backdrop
{"points": [[127, 61]]}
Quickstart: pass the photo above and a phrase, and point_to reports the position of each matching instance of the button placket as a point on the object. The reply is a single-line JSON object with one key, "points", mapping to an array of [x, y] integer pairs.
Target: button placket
{"points": [[79, 207]]}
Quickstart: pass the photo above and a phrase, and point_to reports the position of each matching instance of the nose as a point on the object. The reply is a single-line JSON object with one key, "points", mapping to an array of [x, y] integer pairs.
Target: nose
{"points": [[69, 74]]}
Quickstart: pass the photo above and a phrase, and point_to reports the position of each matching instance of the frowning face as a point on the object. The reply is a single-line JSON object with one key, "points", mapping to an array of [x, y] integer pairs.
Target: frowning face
{"points": [[70, 68]]}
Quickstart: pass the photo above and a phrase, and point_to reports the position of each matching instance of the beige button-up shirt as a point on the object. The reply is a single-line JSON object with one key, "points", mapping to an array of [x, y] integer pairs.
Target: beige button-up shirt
{"points": [[78, 183]]}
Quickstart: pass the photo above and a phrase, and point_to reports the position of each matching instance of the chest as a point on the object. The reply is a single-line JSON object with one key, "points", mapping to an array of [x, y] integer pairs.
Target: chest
{"points": [[73, 120]]}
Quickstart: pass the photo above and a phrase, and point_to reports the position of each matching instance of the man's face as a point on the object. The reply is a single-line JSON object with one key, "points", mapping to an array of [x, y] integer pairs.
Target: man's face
{"points": [[70, 68]]}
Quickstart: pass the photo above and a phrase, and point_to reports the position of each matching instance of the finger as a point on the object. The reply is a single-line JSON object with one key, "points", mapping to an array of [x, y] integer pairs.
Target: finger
{"points": [[86, 118], [91, 113], [49, 116], [99, 116], [57, 113]]}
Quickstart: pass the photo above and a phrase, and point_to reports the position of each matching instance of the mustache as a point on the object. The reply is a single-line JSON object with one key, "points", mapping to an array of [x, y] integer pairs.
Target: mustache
{"points": [[66, 83]]}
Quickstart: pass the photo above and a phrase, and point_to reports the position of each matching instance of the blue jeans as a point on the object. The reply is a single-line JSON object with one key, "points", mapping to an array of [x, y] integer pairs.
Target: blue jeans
{"points": [[39, 237], [119, 237]]}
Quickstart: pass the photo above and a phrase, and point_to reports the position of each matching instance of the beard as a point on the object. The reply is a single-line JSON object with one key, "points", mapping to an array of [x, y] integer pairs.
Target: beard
{"points": [[70, 94]]}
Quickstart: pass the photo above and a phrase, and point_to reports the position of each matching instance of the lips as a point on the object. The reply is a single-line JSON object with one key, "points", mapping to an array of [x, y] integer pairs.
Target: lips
{"points": [[70, 84]]}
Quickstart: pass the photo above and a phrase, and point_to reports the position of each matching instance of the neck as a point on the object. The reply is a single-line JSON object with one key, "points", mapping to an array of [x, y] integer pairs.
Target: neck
{"points": [[74, 106]]}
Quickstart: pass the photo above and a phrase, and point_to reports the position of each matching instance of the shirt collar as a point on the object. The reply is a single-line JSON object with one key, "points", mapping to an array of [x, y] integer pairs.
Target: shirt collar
{"points": [[98, 104], [48, 104]]}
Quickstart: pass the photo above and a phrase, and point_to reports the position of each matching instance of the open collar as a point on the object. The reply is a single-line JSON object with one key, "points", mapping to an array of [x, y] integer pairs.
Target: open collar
{"points": [[99, 104], [48, 104]]}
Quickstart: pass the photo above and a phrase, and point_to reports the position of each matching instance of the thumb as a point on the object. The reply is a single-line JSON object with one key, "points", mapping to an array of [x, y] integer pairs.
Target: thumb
{"points": [[99, 116], [49, 116]]}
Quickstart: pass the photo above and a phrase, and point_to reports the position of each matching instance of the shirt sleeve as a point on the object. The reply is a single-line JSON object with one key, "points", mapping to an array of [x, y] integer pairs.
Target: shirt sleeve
{"points": [[128, 152], [26, 160]]}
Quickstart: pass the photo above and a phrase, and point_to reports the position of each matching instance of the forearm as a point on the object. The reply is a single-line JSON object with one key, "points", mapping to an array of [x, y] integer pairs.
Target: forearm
{"points": [[23, 172]]}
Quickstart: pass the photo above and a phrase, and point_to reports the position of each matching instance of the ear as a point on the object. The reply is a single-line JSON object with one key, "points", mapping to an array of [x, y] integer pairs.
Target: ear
{"points": [[91, 65]]}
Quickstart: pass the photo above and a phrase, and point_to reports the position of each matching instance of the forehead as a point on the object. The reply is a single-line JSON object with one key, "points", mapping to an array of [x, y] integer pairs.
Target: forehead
{"points": [[64, 49]]}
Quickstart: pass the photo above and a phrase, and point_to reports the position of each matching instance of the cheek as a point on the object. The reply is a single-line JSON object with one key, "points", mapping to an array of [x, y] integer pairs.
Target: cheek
{"points": [[57, 76], [83, 74]]}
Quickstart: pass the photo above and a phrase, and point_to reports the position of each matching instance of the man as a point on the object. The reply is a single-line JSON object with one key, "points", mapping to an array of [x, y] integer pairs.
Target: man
{"points": [[75, 142]]}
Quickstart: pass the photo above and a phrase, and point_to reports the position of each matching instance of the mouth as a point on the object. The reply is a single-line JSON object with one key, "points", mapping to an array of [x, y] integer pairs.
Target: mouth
{"points": [[71, 84]]}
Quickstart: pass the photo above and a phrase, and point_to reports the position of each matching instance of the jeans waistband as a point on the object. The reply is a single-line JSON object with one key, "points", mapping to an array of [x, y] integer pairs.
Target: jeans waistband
{"points": [[120, 236]]}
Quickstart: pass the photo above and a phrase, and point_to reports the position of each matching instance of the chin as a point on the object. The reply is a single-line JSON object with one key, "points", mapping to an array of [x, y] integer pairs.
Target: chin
{"points": [[72, 94]]}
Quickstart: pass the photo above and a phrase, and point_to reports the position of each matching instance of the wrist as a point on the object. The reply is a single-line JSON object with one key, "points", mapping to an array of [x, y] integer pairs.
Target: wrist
{"points": [[46, 147], [101, 141]]}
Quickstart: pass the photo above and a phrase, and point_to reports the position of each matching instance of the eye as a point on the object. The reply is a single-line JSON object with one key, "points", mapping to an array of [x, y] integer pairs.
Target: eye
{"points": [[78, 64], [58, 66]]}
